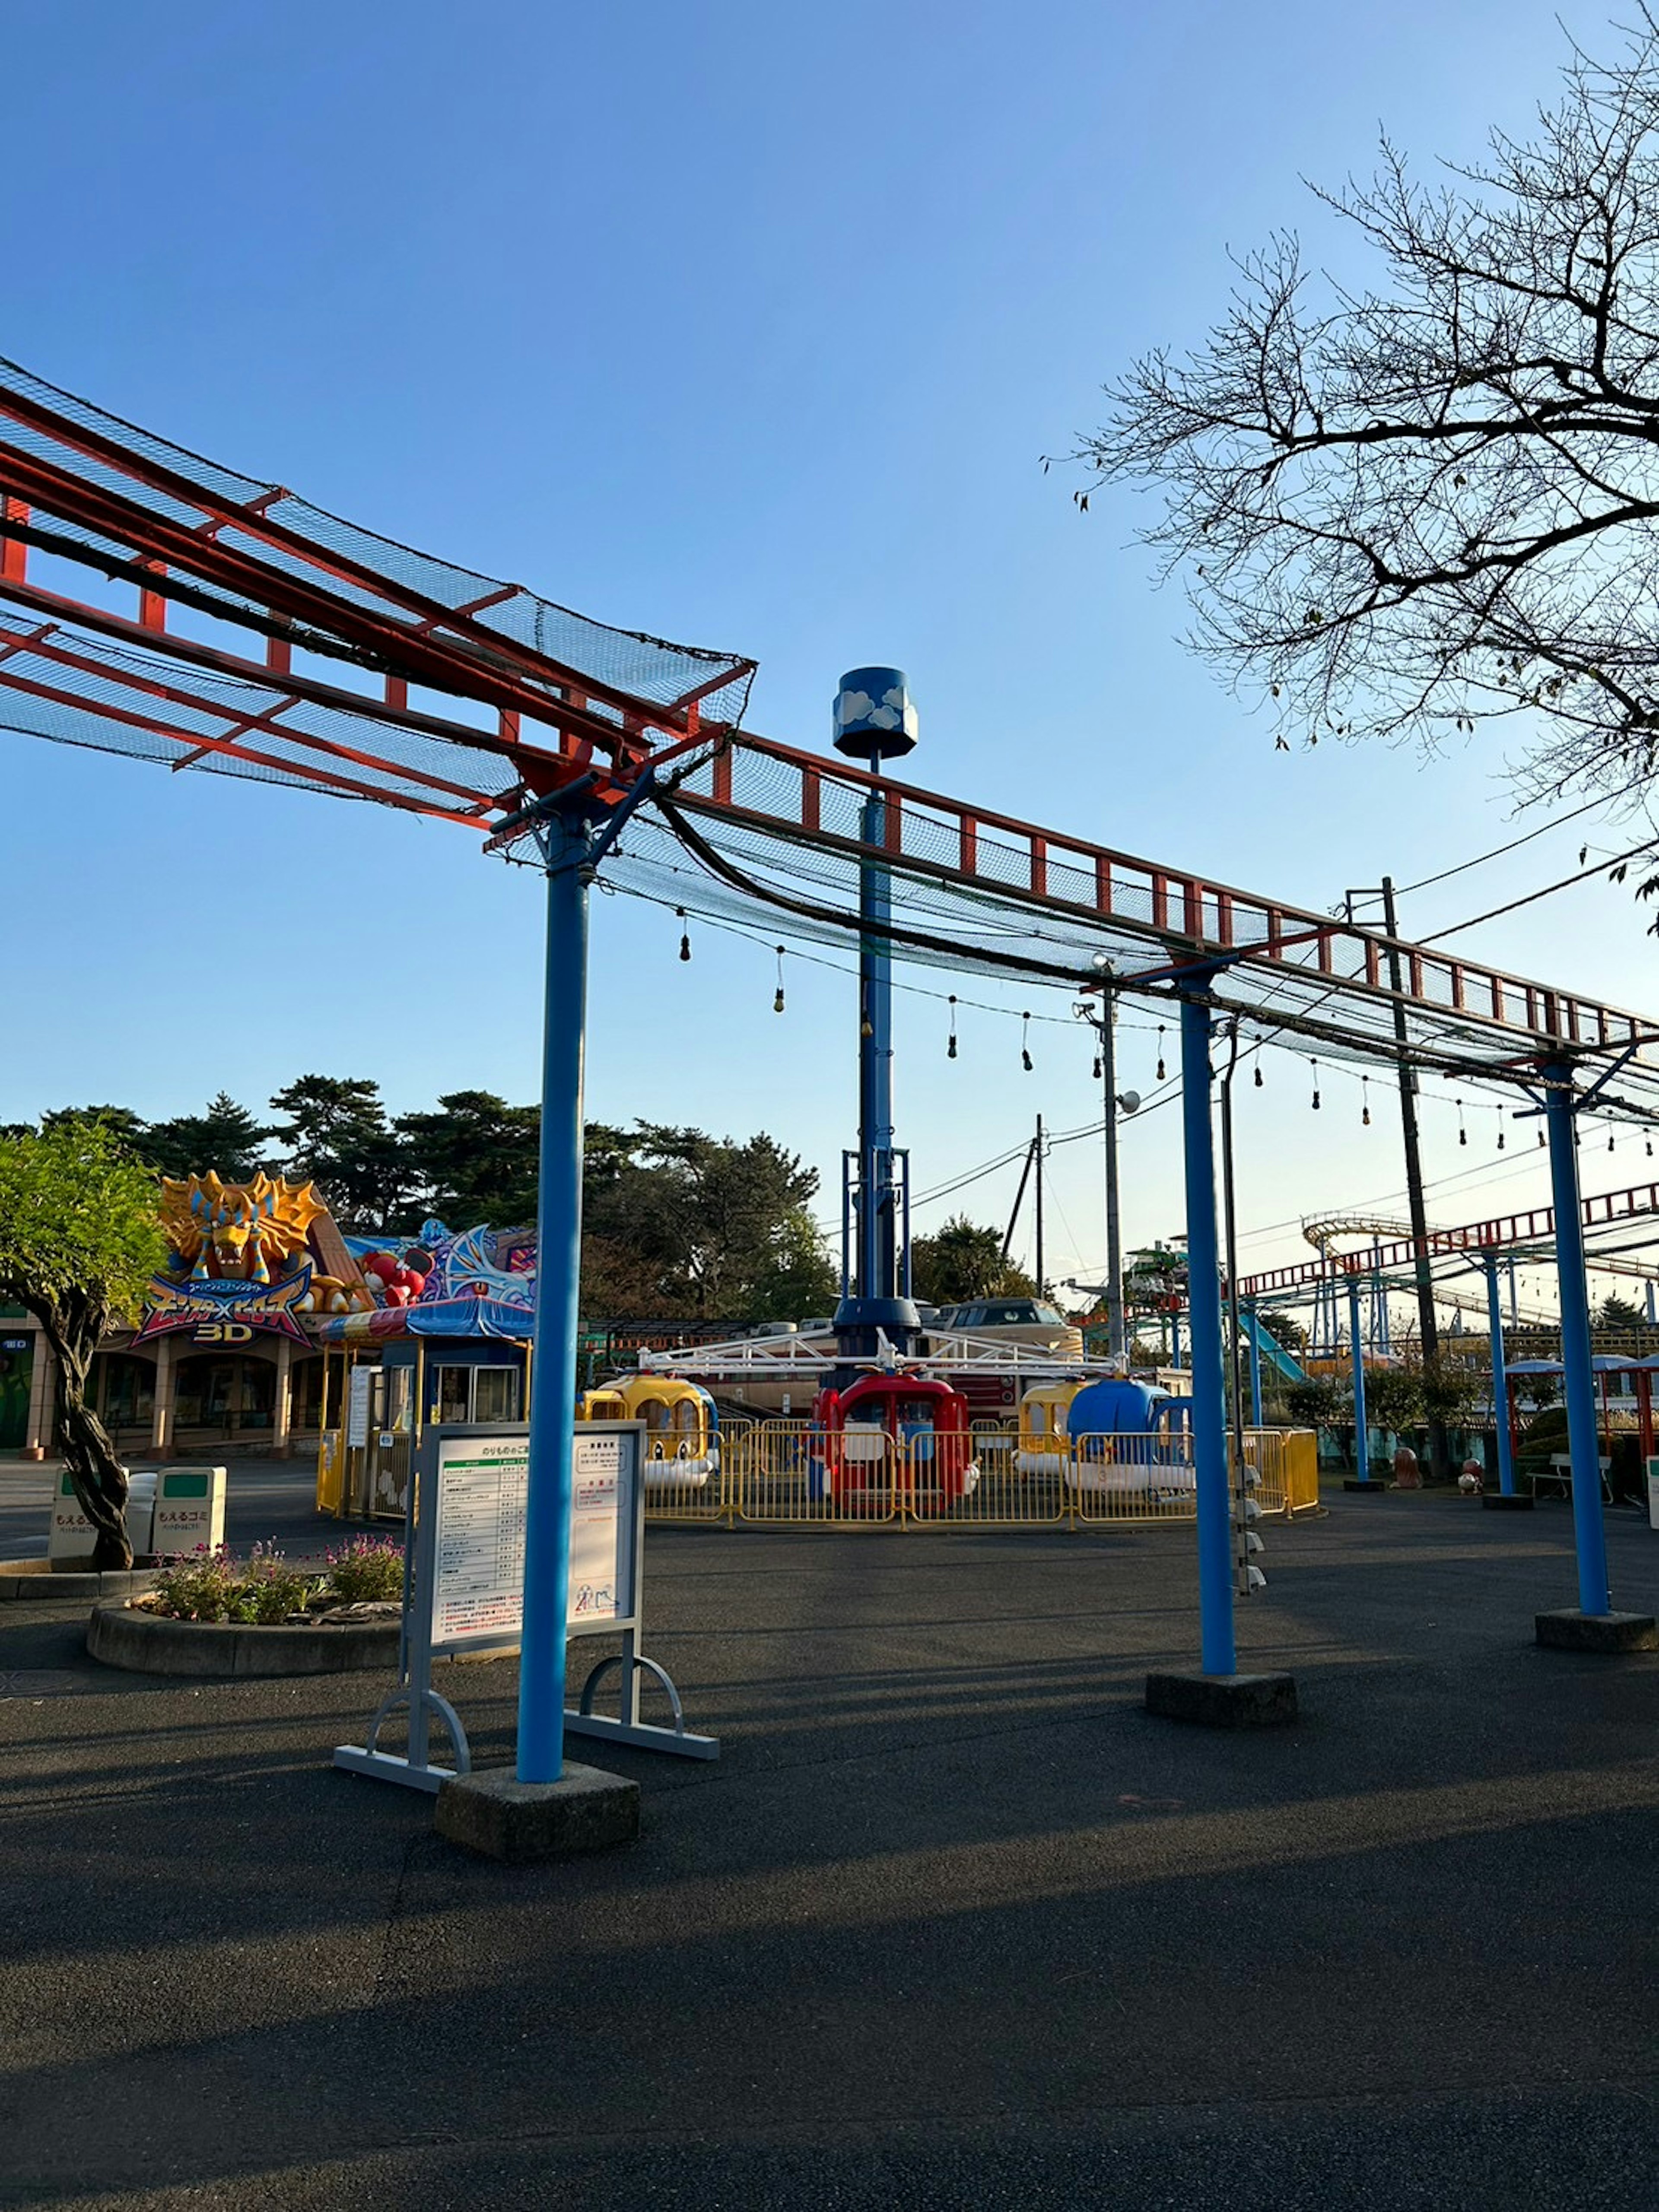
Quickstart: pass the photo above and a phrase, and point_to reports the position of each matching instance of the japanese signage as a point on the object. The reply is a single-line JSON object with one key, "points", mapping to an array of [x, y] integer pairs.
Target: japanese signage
{"points": [[225, 1312], [477, 1573]]}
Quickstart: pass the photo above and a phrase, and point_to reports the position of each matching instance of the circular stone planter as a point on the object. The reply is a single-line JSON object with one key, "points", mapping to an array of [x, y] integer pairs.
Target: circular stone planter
{"points": [[40, 1579], [149, 1644]]}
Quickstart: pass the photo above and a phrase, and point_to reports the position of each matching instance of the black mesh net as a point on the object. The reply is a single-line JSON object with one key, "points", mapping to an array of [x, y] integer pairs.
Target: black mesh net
{"points": [[110, 461]]}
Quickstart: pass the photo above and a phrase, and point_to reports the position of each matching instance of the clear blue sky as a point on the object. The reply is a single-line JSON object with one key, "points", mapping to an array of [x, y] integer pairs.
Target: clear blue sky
{"points": [[747, 325]]}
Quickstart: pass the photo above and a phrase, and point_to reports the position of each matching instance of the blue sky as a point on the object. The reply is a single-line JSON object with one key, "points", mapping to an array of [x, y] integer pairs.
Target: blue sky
{"points": [[745, 325]]}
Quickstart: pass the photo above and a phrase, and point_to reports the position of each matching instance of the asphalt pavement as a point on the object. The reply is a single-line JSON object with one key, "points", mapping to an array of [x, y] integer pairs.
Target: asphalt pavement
{"points": [[953, 1923]]}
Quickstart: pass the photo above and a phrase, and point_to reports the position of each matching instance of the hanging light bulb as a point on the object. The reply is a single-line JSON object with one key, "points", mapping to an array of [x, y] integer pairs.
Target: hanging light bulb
{"points": [[1500, 1128], [1160, 1052], [1609, 1140], [1365, 1101], [1540, 1141], [1024, 1046], [951, 1049], [1462, 1133], [866, 1027], [777, 1003], [685, 939], [1100, 1067], [1315, 1077], [1258, 1079]]}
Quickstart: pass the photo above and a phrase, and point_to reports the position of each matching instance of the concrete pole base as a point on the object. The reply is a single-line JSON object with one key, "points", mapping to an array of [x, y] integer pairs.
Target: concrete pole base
{"points": [[1494, 1501], [523, 1822], [1362, 1482], [1223, 1700], [1569, 1630]]}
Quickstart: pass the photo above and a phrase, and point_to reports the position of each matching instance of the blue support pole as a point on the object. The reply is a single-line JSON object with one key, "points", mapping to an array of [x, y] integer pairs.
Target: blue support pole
{"points": [[1255, 1366], [1578, 1375], [1215, 1579], [1175, 1339], [1500, 1387], [558, 1283], [1361, 1432]]}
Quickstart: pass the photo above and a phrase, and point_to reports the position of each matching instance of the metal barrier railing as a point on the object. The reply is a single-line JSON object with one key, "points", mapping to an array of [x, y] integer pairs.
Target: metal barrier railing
{"points": [[786, 1472]]}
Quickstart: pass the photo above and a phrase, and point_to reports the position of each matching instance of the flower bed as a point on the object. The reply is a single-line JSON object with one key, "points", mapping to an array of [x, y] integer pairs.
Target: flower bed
{"points": [[264, 1591], [212, 1614]]}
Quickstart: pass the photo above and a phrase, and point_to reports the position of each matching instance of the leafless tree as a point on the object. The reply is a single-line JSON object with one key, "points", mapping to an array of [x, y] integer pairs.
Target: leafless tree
{"points": [[1407, 510]]}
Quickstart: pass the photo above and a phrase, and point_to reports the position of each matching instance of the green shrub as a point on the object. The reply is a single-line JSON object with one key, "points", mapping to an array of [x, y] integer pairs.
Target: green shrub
{"points": [[367, 1568], [215, 1585]]}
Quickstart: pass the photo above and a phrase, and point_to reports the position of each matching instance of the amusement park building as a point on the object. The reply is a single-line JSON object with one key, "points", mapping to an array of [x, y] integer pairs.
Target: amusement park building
{"points": [[232, 1347]]}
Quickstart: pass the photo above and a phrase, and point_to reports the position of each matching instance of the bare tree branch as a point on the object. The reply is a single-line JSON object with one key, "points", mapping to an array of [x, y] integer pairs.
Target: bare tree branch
{"points": [[1407, 510]]}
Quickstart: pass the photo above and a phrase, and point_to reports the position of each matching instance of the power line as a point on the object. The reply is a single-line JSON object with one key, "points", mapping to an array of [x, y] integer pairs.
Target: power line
{"points": [[1595, 868], [1559, 822]]}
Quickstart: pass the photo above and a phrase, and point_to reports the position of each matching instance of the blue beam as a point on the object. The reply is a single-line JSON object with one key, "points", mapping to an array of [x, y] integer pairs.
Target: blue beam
{"points": [[1578, 1375], [1255, 1366], [1215, 1578], [558, 1283]]}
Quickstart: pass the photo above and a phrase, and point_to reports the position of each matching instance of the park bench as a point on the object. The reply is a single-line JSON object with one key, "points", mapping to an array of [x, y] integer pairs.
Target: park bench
{"points": [[1560, 1472]]}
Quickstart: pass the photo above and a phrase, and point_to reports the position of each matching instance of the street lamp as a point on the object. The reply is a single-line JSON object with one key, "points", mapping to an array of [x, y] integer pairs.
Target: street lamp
{"points": [[1103, 1022]]}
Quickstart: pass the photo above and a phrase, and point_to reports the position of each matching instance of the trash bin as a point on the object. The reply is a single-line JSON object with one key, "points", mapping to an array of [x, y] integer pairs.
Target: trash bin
{"points": [[71, 1539], [189, 1510]]}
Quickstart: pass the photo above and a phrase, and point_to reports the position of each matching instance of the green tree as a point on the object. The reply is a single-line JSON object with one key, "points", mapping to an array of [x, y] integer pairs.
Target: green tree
{"points": [[226, 1140], [1408, 502], [720, 1227], [475, 1159], [962, 1261], [128, 1129], [79, 1238], [337, 1136], [1286, 1330], [1615, 1312]]}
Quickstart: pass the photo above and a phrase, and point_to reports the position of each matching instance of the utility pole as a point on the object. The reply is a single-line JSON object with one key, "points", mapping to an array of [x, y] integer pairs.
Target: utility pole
{"points": [[1038, 1152], [1104, 1025], [1236, 1366], [1428, 1328]]}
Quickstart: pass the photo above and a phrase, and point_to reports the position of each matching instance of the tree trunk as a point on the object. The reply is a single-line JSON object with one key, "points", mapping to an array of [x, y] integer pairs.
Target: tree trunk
{"points": [[100, 1478]]}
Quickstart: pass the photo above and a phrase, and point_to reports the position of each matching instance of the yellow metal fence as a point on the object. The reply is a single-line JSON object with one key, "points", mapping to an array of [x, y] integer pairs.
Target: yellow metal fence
{"points": [[785, 1472]]}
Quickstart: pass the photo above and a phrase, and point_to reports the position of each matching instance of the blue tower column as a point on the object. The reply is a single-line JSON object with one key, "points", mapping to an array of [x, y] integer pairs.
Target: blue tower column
{"points": [[1578, 1375], [874, 722], [1255, 1366], [1500, 1387], [558, 1287]]}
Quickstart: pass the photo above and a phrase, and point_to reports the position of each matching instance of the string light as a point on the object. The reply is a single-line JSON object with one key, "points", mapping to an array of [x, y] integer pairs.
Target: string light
{"points": [[1316, 1081], [1462, 1133], [951, 1049], [1540, 1141], [777, 1003], [1258, 1075], [1160, 1052], [1025, 1043], [1500, 1128], [1365, 1101], [685, 935], [1609, 1139]]}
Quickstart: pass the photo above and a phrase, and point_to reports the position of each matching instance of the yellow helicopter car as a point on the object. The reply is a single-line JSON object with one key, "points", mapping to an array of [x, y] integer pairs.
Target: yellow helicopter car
{"points": [[1044, 1447], [681, 1426]]}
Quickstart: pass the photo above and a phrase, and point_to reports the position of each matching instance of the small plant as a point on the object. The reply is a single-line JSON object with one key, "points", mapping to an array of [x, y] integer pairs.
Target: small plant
{"points": [[215, 1585], [202, 1586], [367, 1568]]}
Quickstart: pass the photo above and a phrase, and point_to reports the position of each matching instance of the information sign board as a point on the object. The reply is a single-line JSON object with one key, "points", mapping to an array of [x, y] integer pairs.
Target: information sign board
{"points": [[464, 1583], [357, 1408]]}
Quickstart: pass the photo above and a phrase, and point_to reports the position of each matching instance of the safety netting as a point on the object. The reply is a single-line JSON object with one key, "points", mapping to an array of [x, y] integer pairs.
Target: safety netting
{"points": [[109, 494], [758, 828]]}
